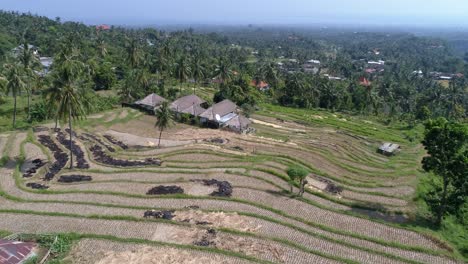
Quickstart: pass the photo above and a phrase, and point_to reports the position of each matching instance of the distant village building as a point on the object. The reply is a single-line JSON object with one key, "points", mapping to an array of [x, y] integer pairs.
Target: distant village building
{"points": [[375, 67], [379, 62], [261, 86], [46, 63], [314, 62], [332, 78], [17, 51], [445, 76], [389, 149], [364, 82], [418, 73], [103, 27], [312, 66]]}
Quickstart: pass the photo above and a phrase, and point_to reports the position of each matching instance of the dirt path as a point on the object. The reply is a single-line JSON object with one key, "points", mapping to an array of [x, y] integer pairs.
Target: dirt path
{"points": [[15, 147], [3, 141]]}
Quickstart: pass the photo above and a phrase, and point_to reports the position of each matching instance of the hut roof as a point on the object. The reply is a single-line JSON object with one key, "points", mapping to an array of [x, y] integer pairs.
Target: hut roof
{"points": [[15, 252], [182, 104], [389, 147], [238, 122], [195, 110], [222, 108], [151, 100]]}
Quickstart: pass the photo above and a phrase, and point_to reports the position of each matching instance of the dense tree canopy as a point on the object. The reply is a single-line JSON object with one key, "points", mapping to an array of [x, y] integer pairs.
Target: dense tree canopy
{"points": [[447, 147], [139, 61]]}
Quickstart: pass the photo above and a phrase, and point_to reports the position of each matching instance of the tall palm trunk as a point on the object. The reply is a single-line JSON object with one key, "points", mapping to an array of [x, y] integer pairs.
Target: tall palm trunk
{"points": [[14, 111], [71, 132], [29, 106], [160, 134]]}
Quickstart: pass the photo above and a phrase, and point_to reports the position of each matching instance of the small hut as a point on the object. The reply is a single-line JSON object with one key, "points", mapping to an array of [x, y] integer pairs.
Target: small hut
{"points": [[16, 252], [389, 149], [239, 123], [150, 102]]}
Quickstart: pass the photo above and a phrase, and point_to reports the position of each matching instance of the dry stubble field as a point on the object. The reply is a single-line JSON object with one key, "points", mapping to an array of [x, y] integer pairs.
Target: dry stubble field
{"points": [[201, 222]]}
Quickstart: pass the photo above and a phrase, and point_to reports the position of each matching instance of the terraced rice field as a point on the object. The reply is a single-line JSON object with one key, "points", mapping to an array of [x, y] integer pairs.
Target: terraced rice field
{"points": [[246, 216]]}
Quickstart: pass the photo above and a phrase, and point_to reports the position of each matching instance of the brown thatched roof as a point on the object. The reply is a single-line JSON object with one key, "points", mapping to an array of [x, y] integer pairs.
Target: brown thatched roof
{"points": [[188, 104], [222, 108], [151, 100]]}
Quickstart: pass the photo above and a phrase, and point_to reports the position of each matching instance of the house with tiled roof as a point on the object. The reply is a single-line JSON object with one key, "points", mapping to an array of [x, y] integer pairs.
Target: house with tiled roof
{"points": [[364, 81], [103, 27], [261, 85]]}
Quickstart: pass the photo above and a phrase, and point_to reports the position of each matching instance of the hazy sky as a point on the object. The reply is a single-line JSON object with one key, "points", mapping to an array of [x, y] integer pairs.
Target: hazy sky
{"points": [[138, 12]]}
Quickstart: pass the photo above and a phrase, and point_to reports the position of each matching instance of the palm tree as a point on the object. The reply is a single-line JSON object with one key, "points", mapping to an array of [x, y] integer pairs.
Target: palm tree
{"points": [[270, 73], [165, 118], [223, 72], [133, 52], [198, 70], [14, 85], [70, 96], [101, 46], [183, 69], [51, 97], [29, 61]]}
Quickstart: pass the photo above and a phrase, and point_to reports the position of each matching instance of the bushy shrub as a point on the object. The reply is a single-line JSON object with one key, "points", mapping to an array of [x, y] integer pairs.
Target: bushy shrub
{"points": [[40, 112], [103, 103]]}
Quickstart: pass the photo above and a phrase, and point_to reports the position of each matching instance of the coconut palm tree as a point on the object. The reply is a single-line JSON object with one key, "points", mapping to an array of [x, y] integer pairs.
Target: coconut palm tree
{"points": [[133, 51], [183, 69], [223, 71], [51, 96], [165, 118], [29, 61], [270, 73], [14, 85], [101, 46], [198, 70], [70, 96]]}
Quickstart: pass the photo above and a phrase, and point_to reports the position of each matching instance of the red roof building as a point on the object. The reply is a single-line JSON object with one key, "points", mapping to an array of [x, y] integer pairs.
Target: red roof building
{"points": [[261, 86], [364, 81], [15, 252], [103, 27]]}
